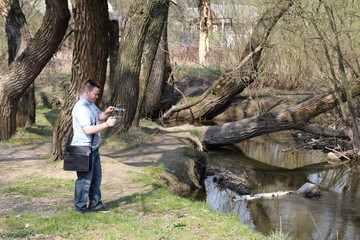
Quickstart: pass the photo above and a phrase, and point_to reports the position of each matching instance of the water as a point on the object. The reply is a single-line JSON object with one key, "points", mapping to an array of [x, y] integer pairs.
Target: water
{"points": [[335, 215]]}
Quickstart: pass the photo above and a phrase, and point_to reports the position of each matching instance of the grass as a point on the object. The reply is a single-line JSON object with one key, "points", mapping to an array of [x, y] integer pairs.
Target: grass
{"points": [[196, 133], [279, 235], [39, 132], [40, 187], [198, 72], [157, 214], [129, 139], [145, 122], [151, 177]]}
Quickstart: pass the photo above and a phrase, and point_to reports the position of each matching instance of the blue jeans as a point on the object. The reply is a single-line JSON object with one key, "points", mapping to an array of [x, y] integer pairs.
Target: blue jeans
{"points": [[87, 186]]}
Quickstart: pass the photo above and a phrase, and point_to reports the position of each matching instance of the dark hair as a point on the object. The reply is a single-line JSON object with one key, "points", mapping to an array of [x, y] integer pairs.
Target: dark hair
{"points": [[90, 84]]}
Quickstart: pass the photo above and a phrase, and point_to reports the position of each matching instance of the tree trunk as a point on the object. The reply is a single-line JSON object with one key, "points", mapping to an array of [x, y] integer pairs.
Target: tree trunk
{"points": [[153, 36], [205, 24], [126, 91], [294, 117], [26, 112], [158, 77], [215, 99], [23, 71], [89, 62], [16, 30], [18, 37], [114, 31]]}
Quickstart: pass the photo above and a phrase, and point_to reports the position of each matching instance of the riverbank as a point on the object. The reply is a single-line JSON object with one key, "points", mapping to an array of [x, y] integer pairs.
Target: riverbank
{"points": [[36, 195]]}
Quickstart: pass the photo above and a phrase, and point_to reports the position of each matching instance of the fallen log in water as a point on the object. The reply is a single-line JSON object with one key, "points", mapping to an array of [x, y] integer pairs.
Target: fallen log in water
{"points": [[228, 180], [307, 190], [237, 184]]}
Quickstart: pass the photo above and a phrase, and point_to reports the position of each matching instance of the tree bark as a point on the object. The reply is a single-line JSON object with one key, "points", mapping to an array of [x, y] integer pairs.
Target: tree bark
{"points": [[158, 77], [18, 37], [26, 110], [230, 85], [16, 30], [114, 31], [294, 117], [158, 19], [23, 71], [90, 54], [126, 91]]}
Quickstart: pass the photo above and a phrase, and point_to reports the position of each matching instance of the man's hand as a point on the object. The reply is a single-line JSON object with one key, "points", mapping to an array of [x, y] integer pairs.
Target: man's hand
{"points": [[111, 122], [109, 110]]}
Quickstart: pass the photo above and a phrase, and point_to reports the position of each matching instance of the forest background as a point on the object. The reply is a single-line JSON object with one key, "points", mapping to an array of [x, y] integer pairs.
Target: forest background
{"points": [[230, 46], [253, 67]]}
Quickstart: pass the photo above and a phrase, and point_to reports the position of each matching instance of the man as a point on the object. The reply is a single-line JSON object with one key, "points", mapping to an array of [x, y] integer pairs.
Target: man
{"points": [[87, 127]]}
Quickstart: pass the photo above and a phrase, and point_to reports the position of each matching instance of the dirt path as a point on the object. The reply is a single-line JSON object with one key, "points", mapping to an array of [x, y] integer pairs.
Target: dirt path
{"points": [[26, 162]]}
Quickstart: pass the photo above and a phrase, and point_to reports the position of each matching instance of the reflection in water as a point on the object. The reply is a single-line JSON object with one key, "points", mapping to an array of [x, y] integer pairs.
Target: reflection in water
{"points": [[297, 215], [277, 151], [335, 179], [335, 215]]}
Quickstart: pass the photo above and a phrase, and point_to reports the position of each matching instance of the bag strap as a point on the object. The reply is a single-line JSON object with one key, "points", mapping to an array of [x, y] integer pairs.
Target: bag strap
{"points": [[92, 140]]}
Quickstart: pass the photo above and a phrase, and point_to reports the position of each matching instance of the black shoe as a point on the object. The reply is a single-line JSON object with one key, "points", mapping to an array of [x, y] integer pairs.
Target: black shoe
{"points": [[82, 211], [101, 209]]}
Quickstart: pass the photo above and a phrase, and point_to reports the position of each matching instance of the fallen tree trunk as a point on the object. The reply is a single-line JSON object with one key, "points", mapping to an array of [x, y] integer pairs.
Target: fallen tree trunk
{"points": [[308, 190], [292, 118], [237, 184], [211, 102]]}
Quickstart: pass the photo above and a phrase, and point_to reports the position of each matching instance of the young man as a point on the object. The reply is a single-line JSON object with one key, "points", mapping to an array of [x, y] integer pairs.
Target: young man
{"points": [[87, 127]]}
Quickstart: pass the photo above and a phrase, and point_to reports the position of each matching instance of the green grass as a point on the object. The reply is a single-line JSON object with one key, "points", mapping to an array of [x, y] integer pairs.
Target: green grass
{"points": [[40, 187], [40, 131], [157, 214], [129, 139], [279, 235], [198, 72], [151, 177], [196, 133], [145, 122]]}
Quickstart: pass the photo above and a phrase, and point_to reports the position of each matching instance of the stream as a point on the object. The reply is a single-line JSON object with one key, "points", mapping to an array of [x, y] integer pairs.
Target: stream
{"points": [[273, 165]]}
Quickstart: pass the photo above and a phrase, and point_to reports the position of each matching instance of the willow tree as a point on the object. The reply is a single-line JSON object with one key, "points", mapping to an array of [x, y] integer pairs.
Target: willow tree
{"points": [[156, 94], [18, 36], [91, 20], [150, 52], [216, 97], [21, 73], [126, 90]]}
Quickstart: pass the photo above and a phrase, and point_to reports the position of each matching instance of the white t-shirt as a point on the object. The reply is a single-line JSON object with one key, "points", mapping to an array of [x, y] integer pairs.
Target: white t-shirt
{"points": [[85, 114]]}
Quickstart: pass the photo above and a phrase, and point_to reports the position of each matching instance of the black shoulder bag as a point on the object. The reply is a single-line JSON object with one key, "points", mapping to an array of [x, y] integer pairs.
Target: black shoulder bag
{"points": [[77, 158]]}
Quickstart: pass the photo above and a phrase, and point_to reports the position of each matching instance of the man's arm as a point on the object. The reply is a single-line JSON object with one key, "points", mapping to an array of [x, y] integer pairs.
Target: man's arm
{"points": [[110, 122], [97, 128]]}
